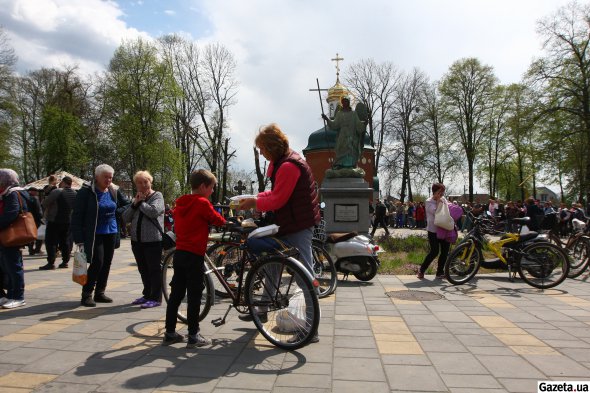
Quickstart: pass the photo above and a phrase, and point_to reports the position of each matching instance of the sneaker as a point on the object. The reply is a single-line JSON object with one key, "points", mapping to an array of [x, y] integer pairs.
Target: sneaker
{"points": [[197, 341], [63, 265], [4, 300], [248, 317], [140, 300], [420, 275], [298, 337], [102, 298], [150, 304], [172, 338], [14, 304], [49, 266]]}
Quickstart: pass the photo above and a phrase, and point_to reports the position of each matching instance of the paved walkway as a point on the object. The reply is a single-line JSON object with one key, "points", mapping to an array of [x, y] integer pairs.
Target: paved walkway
{"points": [[491, 336]]}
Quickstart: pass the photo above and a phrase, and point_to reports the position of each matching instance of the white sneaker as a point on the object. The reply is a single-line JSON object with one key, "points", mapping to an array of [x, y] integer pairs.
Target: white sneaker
{"points": [[4, 300], [14, 304]]}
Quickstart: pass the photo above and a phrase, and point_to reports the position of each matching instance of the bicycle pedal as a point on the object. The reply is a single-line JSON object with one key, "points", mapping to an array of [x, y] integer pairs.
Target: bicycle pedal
{"points": [[218, 322]]}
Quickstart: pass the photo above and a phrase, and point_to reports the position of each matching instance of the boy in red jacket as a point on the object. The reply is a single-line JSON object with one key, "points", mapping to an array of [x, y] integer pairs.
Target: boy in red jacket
{"points": [[192, 216]]}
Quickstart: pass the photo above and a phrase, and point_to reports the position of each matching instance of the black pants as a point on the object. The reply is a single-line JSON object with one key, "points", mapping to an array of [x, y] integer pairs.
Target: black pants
{"points": [[148, 256], [436, 246], [187, 279], [58, 235], [100, 267], [379, 220]]}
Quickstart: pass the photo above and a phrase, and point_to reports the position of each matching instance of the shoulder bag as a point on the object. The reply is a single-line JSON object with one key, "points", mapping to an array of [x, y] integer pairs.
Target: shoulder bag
{"points": [[21, 231], [168, 238], [442, 216]]}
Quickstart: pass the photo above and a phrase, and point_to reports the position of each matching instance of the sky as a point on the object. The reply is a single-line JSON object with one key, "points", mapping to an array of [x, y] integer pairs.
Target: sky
{"points": [[282, 46]]}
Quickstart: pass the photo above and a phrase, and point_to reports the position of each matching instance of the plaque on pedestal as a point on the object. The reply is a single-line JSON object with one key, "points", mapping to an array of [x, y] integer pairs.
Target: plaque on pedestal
{"points": [[347, 205]]}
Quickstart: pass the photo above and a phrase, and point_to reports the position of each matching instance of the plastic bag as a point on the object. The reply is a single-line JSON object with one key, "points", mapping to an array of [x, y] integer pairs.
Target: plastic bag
{"points": [[80, 272], [292, 318], [442, 216], [41, 232]]}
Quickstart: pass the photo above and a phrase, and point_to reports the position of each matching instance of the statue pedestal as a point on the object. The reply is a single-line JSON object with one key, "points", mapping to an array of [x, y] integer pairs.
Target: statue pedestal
{"points": [[347, 205]]}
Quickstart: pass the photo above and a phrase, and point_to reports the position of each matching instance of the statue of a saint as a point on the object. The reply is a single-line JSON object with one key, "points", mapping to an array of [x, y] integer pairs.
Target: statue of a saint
{"points": [[350, 129]]}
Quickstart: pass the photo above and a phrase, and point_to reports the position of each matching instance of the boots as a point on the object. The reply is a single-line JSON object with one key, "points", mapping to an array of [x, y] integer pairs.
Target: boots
{"points": [[100, 297], [87, 300]]}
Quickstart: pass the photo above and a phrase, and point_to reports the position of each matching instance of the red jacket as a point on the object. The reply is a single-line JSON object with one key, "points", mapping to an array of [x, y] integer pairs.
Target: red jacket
{"points": [[192, 216]]}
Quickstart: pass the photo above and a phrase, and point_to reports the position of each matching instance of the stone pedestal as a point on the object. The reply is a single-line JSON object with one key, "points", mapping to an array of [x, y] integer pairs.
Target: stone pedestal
{"points": [[347, 205]]}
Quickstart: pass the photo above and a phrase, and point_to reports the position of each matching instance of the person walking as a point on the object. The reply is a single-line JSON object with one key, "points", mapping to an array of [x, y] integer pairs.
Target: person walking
{"points": [[95, 230], [438, 247], [380, 213], [59, 204], [13, 199], [146, 217]]}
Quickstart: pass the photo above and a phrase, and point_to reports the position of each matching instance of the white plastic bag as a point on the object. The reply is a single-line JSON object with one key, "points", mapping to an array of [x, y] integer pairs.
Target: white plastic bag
{"points": [[292, 318], [442, 216], [41, 232], [268, 230], [80, 272]]}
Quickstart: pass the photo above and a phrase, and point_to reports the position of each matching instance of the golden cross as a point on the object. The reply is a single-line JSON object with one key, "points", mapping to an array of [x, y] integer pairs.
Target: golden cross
{"points": [[337, 60]]}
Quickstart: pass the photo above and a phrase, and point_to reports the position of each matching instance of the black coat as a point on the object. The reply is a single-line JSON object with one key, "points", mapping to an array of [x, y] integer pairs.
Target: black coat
{"points": [[85, 215]]}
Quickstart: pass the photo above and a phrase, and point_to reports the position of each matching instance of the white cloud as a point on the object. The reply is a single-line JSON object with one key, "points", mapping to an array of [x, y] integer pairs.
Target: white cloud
{"points": [[58, 32], [170, 12]]}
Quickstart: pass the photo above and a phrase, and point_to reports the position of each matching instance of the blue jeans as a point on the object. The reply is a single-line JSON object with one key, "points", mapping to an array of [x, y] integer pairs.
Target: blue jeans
{"points": [[300, 240], [11, 262]]}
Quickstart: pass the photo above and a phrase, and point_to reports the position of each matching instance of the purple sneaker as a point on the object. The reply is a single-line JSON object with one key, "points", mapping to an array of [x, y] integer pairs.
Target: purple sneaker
{"points": [[140, 300], [150, 304]]}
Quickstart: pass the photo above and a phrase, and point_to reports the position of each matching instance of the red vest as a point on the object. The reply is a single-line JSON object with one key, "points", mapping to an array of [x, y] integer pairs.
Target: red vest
{"points": [[302, 210]]}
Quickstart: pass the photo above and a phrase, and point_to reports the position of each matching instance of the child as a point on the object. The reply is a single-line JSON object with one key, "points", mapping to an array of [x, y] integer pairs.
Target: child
{"points": [[192, 216]]}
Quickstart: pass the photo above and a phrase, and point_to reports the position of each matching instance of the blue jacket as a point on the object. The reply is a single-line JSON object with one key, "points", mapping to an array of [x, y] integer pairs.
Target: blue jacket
{"points": [[85, 214]]}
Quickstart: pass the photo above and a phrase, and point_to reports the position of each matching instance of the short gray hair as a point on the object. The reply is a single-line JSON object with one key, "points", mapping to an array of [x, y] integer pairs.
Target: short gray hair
{"points": [[8, 177], [103, 168]]}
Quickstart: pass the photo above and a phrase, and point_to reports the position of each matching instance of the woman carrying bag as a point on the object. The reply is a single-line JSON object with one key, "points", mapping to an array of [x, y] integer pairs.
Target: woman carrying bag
{"points": [[438, 247], [146, 216]]}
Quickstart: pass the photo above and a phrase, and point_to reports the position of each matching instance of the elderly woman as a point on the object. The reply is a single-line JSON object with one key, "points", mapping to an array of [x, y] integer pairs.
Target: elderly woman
{"points": [[94, 227], [146, 216], [11, 260]]}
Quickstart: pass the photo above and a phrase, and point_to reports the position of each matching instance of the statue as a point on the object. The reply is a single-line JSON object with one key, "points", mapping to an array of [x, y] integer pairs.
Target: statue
{"points": [[350, 128]]}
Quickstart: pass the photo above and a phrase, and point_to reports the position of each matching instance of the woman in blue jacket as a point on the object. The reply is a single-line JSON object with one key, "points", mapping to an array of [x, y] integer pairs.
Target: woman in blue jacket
{"points": [[11, 259], [94, 227]]}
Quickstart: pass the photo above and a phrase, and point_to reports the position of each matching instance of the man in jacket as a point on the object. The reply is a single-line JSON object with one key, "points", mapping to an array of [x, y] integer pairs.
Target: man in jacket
{"points": [[59, 204]]}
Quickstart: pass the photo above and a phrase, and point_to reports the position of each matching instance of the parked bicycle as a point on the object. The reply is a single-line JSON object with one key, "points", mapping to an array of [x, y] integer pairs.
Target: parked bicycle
{"points": [[576, 245], [539, 263], [275, 289]]}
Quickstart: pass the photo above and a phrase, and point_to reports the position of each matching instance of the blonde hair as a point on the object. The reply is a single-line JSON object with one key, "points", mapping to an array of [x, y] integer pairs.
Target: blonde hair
{"points": [[143, 174], [273, 140]]}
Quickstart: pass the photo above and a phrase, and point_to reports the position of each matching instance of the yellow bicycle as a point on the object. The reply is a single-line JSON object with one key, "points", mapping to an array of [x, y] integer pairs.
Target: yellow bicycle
{"points": [[539, 263]]}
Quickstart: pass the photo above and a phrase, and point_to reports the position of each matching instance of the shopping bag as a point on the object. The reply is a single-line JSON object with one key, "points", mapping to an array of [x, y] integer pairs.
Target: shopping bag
{"points": [[292, 318], [21, 231], [80, 272], [41, 232], [442, 216]]}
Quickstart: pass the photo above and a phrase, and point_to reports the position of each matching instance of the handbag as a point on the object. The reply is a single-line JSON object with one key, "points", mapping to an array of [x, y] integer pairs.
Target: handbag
{"points": [[21, 231], [168, 238], [80, 271], [442, 216]]}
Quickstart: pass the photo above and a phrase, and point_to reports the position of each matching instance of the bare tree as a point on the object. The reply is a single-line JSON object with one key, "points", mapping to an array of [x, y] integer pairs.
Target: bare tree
{"points": [[7, 62], [373, 84]]}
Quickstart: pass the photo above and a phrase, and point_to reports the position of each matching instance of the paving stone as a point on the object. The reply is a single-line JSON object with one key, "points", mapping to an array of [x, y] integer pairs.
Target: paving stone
{"points": [[62, 387], [518, 385], [304, 381], [414, 360], [458, 363], [558, 366], [24, 355], [453, 345], [351, 369], [187, 384], [470, 381], [414, 378], [358, 386], [135, 379], [203, 366], [354, 342], [508, 366], [57, 362]]}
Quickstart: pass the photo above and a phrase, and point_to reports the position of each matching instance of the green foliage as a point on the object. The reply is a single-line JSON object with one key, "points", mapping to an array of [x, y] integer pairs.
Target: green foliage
{"points": [[405, 244]]}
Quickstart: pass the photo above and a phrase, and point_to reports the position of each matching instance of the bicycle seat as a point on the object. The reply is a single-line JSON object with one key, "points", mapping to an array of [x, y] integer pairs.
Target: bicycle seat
{"points": [[521, 220], [528, 236], [340, 237]]}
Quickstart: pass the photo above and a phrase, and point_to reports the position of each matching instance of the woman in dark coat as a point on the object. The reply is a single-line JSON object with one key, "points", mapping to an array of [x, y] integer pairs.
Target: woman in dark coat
{"points": [[95, 229], [12, 277]]}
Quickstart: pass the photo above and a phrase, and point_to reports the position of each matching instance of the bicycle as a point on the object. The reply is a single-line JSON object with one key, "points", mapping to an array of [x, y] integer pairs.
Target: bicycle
{"points": [[577, 245], [277, 291], [539, 263]]}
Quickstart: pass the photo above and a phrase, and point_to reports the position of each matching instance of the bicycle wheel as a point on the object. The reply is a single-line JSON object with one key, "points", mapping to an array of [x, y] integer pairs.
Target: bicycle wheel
{"points": [[283, 302], [579, 256], [463, 263], [544, 266], [207, 299], [324, 270], [229, 257]]}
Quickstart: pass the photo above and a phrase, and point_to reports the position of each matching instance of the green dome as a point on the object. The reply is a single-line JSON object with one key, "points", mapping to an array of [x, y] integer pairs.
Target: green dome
{"points": [[323, 139]]}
